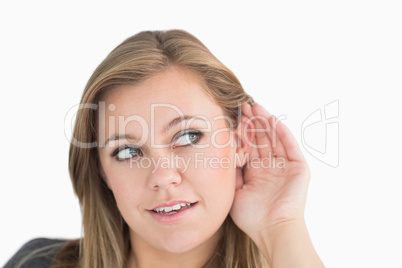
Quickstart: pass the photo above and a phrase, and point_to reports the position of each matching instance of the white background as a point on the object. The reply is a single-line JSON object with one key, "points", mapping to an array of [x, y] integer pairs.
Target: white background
{"points": [[293, 57]]}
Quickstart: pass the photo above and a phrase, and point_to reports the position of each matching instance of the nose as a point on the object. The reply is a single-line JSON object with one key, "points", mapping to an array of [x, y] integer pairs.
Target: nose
{"points": [[164, 174]]}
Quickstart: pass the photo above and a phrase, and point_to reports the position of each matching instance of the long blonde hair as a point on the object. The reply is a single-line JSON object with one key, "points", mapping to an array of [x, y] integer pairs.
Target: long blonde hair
{"points": [[105, 242]]}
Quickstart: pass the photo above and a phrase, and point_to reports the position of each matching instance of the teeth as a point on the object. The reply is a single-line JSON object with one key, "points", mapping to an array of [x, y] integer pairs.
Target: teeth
{"points": [[176, 207], [168, 209]]}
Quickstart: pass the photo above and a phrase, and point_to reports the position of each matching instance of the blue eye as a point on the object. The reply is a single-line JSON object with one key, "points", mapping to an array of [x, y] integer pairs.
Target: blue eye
{"points": [[188, 138], [126, 152]]}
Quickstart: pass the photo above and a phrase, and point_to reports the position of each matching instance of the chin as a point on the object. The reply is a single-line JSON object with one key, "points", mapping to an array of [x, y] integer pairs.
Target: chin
{"points": [[180, 243]]}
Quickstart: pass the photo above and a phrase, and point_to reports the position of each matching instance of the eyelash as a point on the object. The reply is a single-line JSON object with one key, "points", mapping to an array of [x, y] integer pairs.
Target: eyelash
{"points": [[125, 147]]}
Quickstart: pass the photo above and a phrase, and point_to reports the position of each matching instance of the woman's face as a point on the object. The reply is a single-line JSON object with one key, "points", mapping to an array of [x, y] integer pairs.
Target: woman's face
{"points": [[173, 180]]}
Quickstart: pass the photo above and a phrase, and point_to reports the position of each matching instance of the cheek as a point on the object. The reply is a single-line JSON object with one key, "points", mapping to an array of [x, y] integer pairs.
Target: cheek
{"points": [[216, 175], [129, 200], [126, 185]]}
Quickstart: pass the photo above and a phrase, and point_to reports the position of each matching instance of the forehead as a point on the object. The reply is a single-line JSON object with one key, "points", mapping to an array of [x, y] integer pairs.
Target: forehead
{"points": [[168, 94]]}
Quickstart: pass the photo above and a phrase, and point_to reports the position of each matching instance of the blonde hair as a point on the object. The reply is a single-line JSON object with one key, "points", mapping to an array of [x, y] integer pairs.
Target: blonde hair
{"points": [[105, 242]]}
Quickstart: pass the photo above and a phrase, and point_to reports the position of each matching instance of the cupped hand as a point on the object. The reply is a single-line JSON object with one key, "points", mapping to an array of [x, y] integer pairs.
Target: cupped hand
{"points": [[272, 185]]}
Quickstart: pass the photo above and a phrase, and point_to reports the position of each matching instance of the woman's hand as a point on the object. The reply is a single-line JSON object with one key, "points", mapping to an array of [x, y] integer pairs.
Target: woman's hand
{"points": [[272, 187]]}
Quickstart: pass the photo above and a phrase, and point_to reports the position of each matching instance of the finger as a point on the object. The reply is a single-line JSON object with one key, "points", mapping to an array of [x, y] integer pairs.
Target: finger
{"points": [[246, 109], [276, 145], [289, 142], [263, 130], [260, 110], [246, 121]]}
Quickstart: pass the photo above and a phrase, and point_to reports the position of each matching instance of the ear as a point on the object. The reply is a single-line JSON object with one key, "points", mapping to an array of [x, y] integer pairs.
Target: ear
{"points": [[245, 135]]}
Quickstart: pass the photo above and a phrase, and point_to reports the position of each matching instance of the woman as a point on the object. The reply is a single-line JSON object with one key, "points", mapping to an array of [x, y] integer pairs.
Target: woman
{"points": [[175, 166]]}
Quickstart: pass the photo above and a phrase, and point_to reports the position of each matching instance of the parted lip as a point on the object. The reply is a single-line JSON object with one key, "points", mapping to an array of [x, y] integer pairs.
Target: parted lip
{"points": [[171, 203]]}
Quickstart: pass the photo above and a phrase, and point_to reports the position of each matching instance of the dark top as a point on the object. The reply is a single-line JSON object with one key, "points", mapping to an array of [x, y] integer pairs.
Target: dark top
{"points": [[38, 252]]}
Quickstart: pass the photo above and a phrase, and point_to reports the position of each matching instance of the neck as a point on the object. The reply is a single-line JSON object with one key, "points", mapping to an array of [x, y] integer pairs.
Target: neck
{"points": [[144, 255]]}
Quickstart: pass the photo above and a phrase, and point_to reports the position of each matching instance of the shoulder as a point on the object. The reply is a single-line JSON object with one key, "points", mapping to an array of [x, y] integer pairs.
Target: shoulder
{"points": [[37, 253]]}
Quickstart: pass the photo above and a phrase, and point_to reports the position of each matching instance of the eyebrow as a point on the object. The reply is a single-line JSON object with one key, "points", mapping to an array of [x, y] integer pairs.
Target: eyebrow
{"points": [[171, 124], [176, 121]]}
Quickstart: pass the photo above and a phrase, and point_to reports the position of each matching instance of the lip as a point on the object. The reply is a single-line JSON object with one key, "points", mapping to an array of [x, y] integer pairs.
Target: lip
{"points": [[171, 203], [173, 218]]}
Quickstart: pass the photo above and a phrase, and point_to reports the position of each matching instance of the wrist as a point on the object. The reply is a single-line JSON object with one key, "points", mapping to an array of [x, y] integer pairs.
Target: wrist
{"points": [[268, 237], [288, 244]]}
